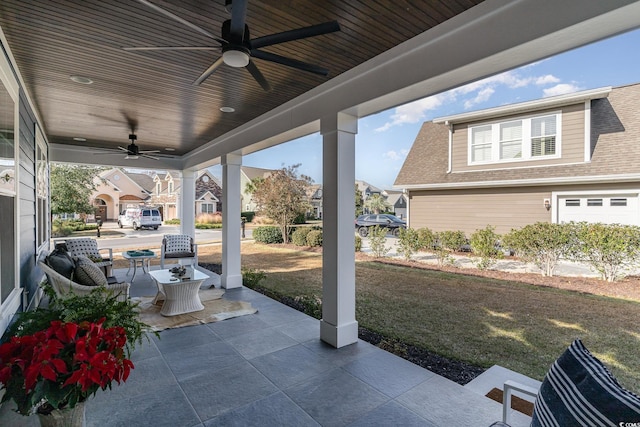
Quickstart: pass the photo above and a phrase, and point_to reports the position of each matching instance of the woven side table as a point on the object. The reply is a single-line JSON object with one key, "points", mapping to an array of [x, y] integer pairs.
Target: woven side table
{"points": [[180, 295]]}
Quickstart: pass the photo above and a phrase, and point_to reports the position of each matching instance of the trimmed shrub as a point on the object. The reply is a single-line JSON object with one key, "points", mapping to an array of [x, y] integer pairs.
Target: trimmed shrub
{"points": [[542, 243], [299, 236], [248, 215], [607, 248], [267, 234], [358, 243], [452, 240], [175, 221], [484, 243], [377, 240], [408, 242], [301, 218], [252, 277], [427, 238], [314, 238], [203, 226]]}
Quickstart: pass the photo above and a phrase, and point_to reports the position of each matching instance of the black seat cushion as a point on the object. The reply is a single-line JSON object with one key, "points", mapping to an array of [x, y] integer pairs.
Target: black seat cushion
{"points": [[179, 254], [61, 262], [579, 390]]}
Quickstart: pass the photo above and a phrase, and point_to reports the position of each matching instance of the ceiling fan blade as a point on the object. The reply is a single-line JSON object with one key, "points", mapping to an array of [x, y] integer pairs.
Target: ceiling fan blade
{"points": [[148, 156], [258, 76], [238, 17], [291, 35], [182, 21], [208, 71], [148, 48], [123, 149], [289, 62], [148, 151]]}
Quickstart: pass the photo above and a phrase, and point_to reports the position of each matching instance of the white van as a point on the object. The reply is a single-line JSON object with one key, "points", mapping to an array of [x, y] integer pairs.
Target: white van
{"points": [[140, 218]]}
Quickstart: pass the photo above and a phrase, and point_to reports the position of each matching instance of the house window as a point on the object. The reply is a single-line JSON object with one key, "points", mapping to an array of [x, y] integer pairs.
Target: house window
{"points": [[481, 144], [158, 188], [543, 136], [594, 202], [511, 140], [618, 202], [572, 202], [42, 190], [170, 187], [208, 208], [527, 138]]}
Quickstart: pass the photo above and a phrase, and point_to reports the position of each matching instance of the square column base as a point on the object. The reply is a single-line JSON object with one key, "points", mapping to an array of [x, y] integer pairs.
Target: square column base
{"points": [[231, 282], [339, 336]]}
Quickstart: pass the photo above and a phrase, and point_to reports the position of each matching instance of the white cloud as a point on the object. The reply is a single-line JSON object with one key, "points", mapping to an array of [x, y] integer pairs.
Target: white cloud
{"points": [[479, 92], [482, 96], [412, 112], [394, 155], [561, 89]]}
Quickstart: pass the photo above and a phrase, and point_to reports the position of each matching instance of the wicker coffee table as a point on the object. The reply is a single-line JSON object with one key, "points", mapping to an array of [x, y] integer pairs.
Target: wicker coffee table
{"points": [[180, 295]]}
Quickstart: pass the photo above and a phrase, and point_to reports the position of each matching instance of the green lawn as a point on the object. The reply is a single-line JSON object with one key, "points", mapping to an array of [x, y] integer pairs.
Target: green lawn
{"points": [[473, 319]]}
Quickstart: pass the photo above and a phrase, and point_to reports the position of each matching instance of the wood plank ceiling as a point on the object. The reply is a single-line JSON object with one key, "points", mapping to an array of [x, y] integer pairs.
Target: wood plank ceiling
{"points": [[53, 40]]}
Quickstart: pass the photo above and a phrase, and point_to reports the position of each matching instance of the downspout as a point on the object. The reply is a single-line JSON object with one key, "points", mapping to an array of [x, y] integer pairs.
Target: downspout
{"points": [[449, 166]]}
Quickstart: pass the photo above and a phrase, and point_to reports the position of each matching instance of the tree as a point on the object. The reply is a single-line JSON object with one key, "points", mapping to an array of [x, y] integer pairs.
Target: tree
{"points": [[359, 203], [376, 203], [71, 188], [282, 197]]}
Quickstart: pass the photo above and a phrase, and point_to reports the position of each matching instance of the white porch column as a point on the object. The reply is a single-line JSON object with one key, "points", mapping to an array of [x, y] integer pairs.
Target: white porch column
{"points": [[231, 221], [188, 203], [338, 326]]}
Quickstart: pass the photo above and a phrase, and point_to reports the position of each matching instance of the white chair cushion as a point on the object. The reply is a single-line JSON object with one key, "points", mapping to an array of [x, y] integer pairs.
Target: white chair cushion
{"points": [[177, 244]]}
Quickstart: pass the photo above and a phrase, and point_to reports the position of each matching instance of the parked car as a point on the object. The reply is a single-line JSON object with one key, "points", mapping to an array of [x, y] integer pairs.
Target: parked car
{"points": [[140, 218], [390, 222]]}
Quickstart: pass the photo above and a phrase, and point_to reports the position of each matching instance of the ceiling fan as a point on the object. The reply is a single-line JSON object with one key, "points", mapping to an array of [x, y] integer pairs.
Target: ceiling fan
{"points": [[238, 48], [132, 151]]}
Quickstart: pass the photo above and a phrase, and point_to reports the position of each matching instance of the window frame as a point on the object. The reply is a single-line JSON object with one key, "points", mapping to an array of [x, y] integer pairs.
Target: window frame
{"points": [[43, 190], [497, 143]]}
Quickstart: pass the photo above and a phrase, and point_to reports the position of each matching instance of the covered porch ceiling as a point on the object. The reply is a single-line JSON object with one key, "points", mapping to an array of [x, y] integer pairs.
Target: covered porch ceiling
{"points": [[385, 54]]}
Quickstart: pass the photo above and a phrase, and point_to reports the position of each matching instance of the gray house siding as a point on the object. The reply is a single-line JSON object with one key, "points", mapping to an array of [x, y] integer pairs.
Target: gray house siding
{"points": [[29, 274]]}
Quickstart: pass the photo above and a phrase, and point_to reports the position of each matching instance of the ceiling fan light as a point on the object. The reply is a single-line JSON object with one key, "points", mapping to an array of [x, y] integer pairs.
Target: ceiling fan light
{"points": [[131, 157], [235, 58]]}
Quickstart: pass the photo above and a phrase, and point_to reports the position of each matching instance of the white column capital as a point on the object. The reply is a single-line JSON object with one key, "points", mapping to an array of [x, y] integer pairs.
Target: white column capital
{"points": [[231, 159], [339, 122]]}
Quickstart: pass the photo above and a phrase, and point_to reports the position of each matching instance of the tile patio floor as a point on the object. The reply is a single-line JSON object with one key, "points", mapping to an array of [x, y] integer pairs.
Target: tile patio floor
{"points": [[271, 369]]}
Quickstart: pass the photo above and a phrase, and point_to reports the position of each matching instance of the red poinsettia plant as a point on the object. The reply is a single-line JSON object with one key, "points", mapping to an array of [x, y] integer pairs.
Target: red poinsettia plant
{"points": [[65, 364]]}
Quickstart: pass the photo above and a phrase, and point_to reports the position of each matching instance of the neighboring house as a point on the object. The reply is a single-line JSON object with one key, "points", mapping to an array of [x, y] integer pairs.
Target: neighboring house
{"points": [[314, 193], [247, 174], [398, 202], [208, 193], [117, 190], [564, 158]]}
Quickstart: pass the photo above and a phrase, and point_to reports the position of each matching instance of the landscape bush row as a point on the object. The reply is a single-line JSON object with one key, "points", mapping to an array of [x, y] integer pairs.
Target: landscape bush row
{"points": [[612, 250]]}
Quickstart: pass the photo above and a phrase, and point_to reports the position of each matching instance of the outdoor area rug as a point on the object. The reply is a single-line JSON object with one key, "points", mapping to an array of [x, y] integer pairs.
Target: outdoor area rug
{"points": [[215, 309]]}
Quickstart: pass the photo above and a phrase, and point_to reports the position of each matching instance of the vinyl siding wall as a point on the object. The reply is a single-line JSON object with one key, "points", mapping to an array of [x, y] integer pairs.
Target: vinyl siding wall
{"points": [[571, 149], [504, 208]]}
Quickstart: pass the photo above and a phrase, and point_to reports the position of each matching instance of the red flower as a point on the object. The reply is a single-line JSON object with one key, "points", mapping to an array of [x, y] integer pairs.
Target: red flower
{"points": [[79, 358]]}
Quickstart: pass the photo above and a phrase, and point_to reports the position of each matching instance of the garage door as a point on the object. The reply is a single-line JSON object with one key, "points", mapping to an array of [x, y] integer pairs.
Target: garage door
{"points": [[609, 209]]}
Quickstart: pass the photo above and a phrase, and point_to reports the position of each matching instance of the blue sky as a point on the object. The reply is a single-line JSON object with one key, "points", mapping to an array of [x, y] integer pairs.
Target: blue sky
{"points": [[384, 139]]}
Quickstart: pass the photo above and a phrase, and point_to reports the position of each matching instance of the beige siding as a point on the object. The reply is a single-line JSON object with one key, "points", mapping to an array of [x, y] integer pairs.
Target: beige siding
{"points": [[504, 208], [470, 210], [572, 142]]}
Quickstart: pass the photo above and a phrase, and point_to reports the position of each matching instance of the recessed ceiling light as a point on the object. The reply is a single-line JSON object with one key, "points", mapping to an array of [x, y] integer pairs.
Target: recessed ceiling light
{"points": [[170, 149], [227, 109], [82, 80], [79, 139]]}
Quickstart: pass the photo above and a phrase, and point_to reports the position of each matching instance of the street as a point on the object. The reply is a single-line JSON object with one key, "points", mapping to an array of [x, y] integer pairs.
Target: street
{"points": [[150, 238]]}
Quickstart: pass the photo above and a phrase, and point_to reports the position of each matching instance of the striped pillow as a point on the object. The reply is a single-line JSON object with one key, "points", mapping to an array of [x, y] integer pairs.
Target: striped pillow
{"points": [[579, 390]]}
